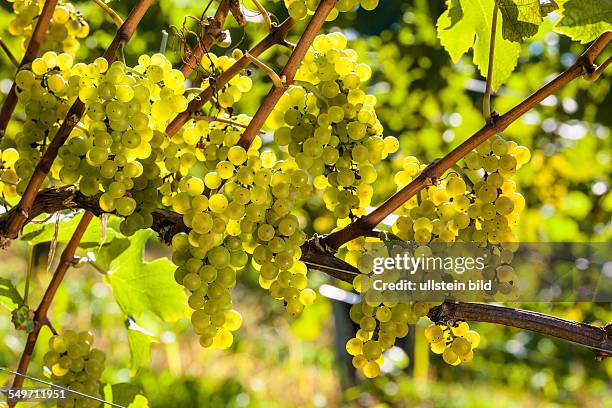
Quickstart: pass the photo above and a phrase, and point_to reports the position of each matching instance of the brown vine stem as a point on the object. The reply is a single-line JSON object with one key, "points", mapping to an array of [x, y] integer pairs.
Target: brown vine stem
{"points": [[205, 43], [8, 53], [486, 101], [288, 73], [276, 36], [40, 316], [596, 338], [73, 116], [585, 63], [38, 36]]}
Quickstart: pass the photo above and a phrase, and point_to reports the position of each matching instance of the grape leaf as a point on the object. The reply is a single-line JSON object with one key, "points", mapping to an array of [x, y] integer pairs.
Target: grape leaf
{"points": [[139, 341], [521, 19], [474, 31], [9, 296], [139, 285], [125, 394], [584, 20], [35, 234]]}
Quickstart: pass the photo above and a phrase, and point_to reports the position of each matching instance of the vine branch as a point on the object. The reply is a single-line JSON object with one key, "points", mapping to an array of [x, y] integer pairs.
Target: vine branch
{"points": [[593, 337], [40, 316], [38, 36], [73, 116], [276, 36], [205, 43], [288, 73], [585, 63]]}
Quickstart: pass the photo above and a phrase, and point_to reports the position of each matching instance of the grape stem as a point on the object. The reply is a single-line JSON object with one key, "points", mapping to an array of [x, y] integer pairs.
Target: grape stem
{"points": [[8, 53], [38, 36], [312, 89], [276, 80], [264, 14], [73, 116], [40, 316], [222, 120], [205, 43], [486, 101], [288, 73], [111, 13], [499, 123]]}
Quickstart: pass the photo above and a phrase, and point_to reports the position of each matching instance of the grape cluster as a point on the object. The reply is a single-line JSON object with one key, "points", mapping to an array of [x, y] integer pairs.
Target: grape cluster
{"points": [[71, 362], [485, 211], [455, 343], [116, 153], [329, 126], [46, 88], [381, 317], [65, 28], [298, 9]]}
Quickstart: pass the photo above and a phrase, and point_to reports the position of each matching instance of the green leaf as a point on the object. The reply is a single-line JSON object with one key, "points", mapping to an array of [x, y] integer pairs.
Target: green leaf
{"points": [[585, 20], [140, 345], [474, 31], [110, 251], [35, 234], [9, 296], [125, 394], [139, 285], [519, 22]]}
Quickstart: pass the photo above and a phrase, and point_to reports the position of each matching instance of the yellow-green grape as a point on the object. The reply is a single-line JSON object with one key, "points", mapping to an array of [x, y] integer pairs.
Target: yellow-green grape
{"points": [[455, 343], [72, 362], [66, 27], [298, 9]]}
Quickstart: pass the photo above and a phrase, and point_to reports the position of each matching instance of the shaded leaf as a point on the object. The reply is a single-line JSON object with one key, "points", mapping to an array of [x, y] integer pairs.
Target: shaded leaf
{"points": [[584, 20], [519, 22], [35, 234], [139, 341], [125, 394], [9, 296]]}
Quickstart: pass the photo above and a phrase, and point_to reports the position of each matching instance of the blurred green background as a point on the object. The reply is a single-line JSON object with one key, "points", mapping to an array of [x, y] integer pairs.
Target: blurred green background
{"points": [[432, 105]]}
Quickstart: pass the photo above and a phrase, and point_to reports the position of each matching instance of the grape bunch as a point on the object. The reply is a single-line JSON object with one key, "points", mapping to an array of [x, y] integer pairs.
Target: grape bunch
{"points": [[46, 88], [66, 27], [381, 317], [484, 212], [71, 362], [298, 9], [115, 154], [455, 343], [329, 126]]}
